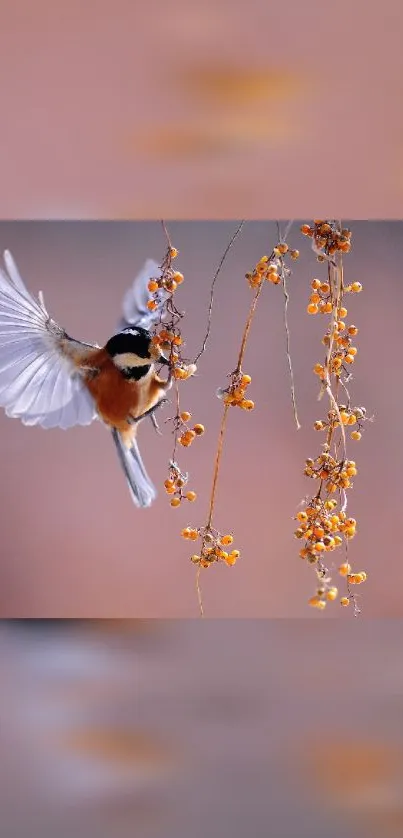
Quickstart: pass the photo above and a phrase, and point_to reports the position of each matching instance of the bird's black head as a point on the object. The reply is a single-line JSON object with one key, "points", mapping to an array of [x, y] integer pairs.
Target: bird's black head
{"points": [[133, 351], [131, 341]]}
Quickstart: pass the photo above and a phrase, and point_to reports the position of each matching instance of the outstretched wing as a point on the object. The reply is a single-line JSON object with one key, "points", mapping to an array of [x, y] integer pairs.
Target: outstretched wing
{"points": [[39, 380], [135, 311]]}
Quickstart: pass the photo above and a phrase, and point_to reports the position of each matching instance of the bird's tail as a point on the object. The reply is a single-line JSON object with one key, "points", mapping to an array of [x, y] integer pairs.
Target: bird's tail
{"points": [[141, 488]]}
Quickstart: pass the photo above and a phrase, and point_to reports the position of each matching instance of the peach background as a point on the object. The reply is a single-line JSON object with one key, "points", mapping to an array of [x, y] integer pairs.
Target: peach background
{"points": [[73, 545], [136, 110]]}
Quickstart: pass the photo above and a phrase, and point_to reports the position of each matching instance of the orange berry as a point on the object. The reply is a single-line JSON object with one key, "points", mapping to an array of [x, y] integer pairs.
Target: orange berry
{"points": [[349, 359], [312, 308], [352, 330], [344, 569], [331, 594], [294, 254], [175, 501], [344, 417], [193, 534], [315, 602], [231, 559], [319, 546], [235, 554], [302, 516], [246, 379], [151, 305], [355, 435], [199, 430], [226, 539], [185, 416], [318, 425], [191, 496], [344, 601], [173, 252], [153, 285], [315, 284], [195, 559], [356, 287], [185, 532], [247, 404], [305, 229], [324, 287], [342, 312], [314, 298], [283, 248], [178, 277]]}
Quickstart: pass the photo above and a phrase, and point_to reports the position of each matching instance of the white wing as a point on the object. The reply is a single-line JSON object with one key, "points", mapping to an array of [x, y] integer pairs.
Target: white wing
{"points": [[135, 311], [39, 382]]}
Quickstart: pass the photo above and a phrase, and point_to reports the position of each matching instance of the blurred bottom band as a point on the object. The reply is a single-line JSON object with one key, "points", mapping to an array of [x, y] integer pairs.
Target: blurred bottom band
{"points": [[179, 728]]}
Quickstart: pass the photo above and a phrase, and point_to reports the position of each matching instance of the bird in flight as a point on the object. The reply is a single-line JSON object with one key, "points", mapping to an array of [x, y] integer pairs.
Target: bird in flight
{"points": [[48, 378]]}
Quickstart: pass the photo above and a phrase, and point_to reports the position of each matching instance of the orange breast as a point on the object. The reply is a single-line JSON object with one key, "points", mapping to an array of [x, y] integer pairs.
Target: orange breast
{"points": [[117, 397]]}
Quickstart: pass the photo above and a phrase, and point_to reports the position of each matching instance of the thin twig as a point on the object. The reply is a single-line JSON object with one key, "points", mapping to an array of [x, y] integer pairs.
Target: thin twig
{"points": [[288, 352], [210, 309], [282, 238], [199, 593], [164, 227], [247, 327], [217, 464]]}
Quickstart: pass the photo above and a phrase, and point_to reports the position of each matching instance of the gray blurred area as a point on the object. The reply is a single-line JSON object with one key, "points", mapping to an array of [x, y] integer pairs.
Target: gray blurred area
{"points": [[219, 126], [169, 730]]}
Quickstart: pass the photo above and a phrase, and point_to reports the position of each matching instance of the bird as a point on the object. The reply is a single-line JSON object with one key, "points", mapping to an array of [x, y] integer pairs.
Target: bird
{"points": [[51, 380]]}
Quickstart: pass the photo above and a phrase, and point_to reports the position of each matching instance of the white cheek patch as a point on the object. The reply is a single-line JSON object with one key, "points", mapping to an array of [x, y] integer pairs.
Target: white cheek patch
{"points": [[129, 359]]}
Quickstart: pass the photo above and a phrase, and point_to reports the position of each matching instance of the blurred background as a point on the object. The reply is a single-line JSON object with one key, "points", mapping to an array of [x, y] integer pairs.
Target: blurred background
{"points": [[73, 544], [175, 729], [184, 110]]}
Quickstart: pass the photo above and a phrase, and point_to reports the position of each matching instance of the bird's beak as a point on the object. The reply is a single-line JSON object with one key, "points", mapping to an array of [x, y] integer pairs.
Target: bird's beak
{"points": [[163, 360]]}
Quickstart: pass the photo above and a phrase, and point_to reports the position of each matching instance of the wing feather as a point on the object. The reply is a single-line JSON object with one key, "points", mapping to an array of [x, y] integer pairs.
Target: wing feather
{"points": [[135, 311], [39, 380]]}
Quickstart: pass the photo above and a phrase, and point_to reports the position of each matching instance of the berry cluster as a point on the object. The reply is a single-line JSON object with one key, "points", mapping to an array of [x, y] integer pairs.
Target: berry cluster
{"points": [[168, 281], [270, 268], [234, 394], [326, 237], [176, 484], [168, 338], [212, 546], [324, 524], [348, 416], [323, 528], [332, 473], [187, 434]]}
